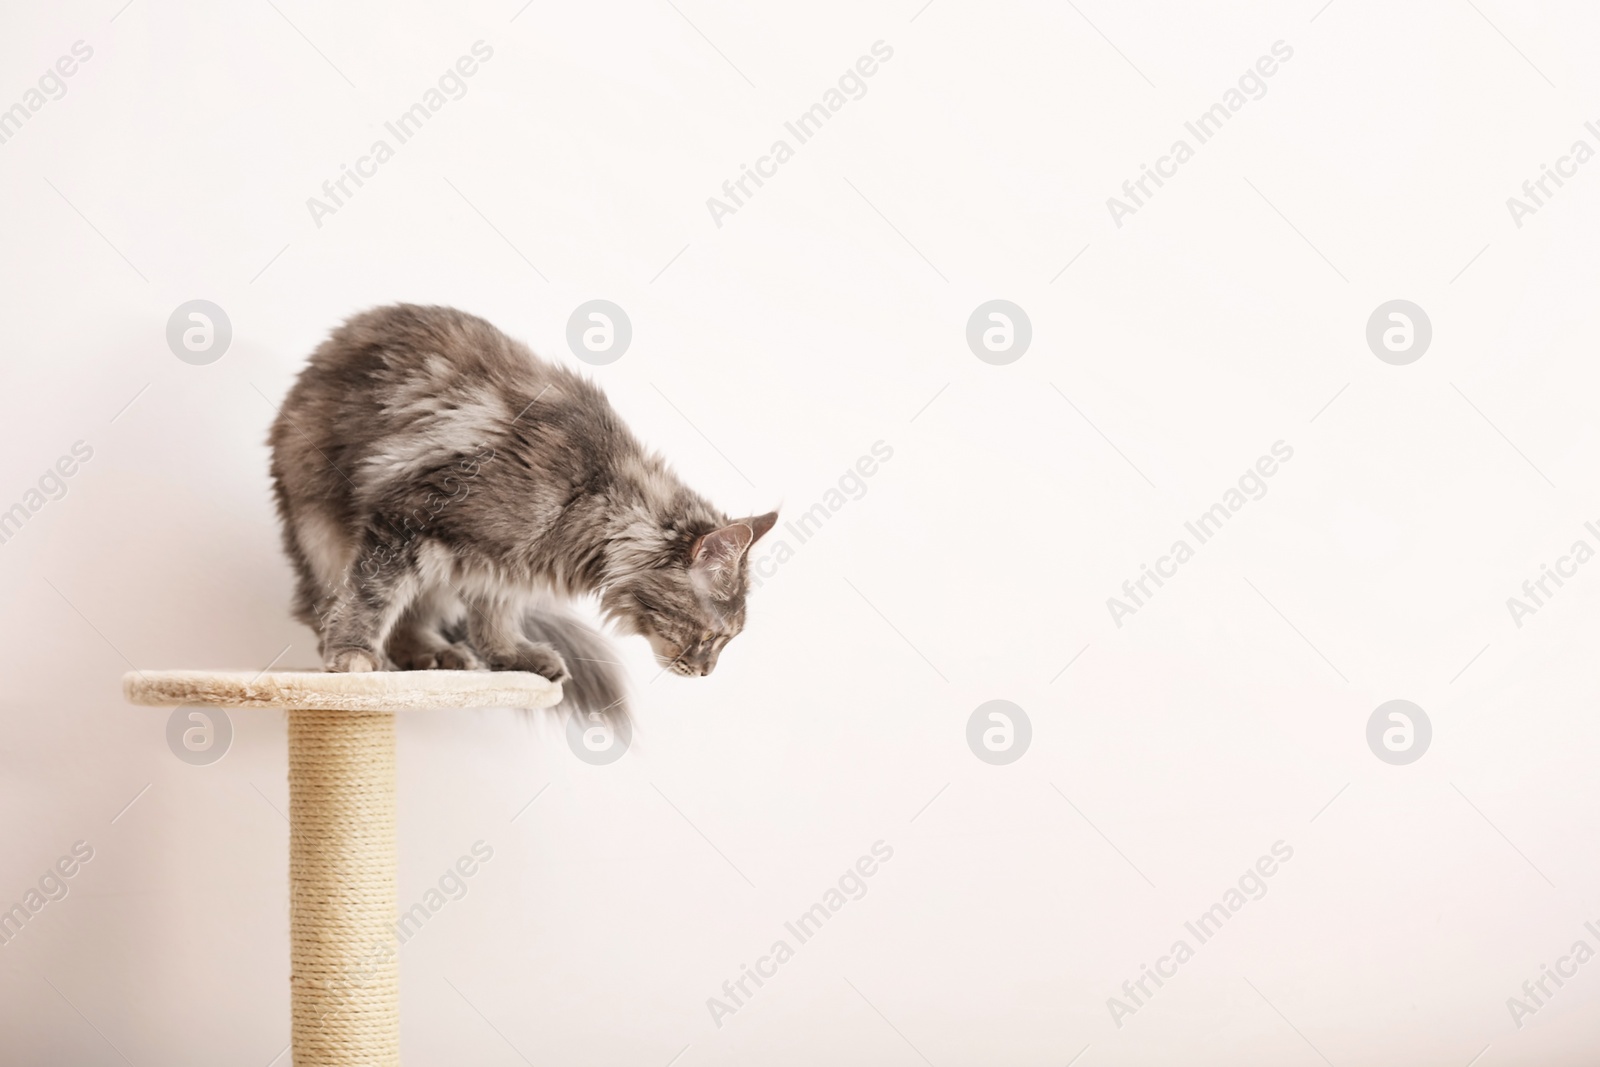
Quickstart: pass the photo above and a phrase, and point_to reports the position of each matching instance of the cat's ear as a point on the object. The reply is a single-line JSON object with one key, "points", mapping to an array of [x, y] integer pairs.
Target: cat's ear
{"points": [[714, 558], [760, 524]]}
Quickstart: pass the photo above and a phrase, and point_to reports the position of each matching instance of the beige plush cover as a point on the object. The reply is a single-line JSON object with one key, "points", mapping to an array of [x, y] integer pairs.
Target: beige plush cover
{"points": [[320, 690]]}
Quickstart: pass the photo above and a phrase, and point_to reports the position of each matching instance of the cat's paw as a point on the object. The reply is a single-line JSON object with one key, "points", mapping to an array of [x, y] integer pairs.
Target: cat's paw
{"points": [[352, 661], [543, 660], [457, 657], [546, 661], [536, 657]]}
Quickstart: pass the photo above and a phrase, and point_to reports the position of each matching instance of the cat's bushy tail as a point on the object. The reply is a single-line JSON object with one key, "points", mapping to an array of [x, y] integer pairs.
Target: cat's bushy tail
{"points": [[598, 685]]}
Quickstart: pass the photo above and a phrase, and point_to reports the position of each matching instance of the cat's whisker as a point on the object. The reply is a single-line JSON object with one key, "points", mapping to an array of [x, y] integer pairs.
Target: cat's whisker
{"points": [[673, 663]]}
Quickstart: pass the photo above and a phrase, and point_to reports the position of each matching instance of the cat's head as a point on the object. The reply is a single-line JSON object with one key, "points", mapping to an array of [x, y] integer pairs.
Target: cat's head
{"points": [[688, 599]]}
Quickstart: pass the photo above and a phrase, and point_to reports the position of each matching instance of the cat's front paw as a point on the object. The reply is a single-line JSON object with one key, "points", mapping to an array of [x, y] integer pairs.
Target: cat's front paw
{"points": [[351, 661]]}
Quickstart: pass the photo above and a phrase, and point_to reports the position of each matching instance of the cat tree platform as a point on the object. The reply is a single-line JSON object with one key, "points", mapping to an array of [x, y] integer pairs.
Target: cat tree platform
{"points": [[344, 975]]}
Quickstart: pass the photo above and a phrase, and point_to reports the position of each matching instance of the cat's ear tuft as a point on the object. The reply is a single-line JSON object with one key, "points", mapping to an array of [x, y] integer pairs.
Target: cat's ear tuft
{"points": [[760, 524]]}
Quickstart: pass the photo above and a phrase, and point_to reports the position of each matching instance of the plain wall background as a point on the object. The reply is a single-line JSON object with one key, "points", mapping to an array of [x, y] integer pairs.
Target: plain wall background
{"points": [[827, 314]]}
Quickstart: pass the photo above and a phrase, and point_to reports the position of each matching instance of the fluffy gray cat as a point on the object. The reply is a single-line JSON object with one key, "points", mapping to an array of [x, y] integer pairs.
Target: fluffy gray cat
{"points": [[442, 489]]}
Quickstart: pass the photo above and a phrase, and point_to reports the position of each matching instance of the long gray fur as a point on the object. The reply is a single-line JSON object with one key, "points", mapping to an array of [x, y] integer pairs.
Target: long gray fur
{"points": [[442, 490]]}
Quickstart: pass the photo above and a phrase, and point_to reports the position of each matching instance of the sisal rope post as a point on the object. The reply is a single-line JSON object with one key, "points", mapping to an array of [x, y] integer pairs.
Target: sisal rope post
{"points": [[344, 963], [344, 976]]}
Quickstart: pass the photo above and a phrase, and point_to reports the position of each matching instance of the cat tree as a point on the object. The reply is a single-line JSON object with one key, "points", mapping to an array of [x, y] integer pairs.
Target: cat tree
{"points": [[344, 975]]}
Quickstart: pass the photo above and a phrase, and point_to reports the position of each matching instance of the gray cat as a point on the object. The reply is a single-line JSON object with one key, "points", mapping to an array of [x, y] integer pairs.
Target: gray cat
{"points": [[442, 489]]}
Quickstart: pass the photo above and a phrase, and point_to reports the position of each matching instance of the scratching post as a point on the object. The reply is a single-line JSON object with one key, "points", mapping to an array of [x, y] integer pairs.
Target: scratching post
{"points": [[344, 976], [344, 965]]}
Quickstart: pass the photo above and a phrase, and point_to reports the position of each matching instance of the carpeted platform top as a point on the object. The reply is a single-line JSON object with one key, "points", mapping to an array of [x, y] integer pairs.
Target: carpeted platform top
{"points": [[320, 690]]}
